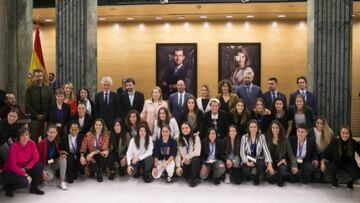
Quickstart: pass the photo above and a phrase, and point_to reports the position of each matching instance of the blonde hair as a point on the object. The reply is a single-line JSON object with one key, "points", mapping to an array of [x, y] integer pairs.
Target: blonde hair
{"points": [[327, 133], [72, 95], [208, 89], [160, 92]]}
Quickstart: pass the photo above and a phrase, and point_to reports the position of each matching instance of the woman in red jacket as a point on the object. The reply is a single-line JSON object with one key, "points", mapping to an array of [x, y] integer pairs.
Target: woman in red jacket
{"points": [[22, 167]]}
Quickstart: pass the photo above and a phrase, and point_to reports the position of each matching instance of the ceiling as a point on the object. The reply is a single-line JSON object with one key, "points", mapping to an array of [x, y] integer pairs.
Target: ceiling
{"points": [[194, 12]]}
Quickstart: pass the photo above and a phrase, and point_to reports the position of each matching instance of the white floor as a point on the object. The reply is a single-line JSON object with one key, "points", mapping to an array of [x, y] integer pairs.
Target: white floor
{"points": [[133, 191]]}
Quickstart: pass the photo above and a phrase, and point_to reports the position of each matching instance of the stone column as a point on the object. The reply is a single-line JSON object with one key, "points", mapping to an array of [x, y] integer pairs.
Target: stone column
{"points": [[19, 32], [3, 71], [76, 43], [330, 57]]}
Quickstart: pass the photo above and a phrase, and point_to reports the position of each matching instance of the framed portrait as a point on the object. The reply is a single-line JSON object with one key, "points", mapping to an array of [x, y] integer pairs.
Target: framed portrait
{"points": [[237, 58], [176, 61]]}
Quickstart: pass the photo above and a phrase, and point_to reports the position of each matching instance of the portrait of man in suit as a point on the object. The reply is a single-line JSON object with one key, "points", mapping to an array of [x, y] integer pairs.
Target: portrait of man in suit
{"points": [[175, 62], [236, 58]]}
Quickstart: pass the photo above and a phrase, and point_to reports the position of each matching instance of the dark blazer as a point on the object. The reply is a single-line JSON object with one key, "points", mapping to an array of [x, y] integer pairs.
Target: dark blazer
{"points": [[310, 100], [199, 121], [219, 150], [309, 119], [249, 100], [120, 91], [171, 78], [311, 154], [65, 144], [92, 104], [264, 122], [269, 101], [51, 115], [334, 152], [124, 103], [236, 149], [88, 122], [108, 112], [222, 124], [174, 107]]}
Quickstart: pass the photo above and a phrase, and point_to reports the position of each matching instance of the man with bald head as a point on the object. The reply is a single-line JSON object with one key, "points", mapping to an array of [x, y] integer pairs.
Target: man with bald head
{"points": [[177, 100]]}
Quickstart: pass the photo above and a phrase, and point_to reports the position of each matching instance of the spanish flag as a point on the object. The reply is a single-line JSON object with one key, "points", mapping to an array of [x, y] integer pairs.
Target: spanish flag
{"points": [[37, 59]]}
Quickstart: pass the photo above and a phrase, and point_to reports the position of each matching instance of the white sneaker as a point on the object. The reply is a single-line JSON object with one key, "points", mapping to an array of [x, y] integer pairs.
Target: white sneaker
{"points": [[63, 185], [168, 179], [227, 179]]}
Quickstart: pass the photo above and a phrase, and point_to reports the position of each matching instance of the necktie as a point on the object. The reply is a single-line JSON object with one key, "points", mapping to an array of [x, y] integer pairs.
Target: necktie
{"points": [[272, 96], [181, 101], [248, 90], [106, 99]]}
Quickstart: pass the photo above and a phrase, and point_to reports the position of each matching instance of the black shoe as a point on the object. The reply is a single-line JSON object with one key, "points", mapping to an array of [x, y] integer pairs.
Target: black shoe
{"points": [[280, 183], [335, 183], [257, 181], [137, 174], [36, 191], [9, 193], [217, 181], [112, 175], [272, 180], [147, 177], [350, 184], [70, 180], [99, 176], [192, 183]]}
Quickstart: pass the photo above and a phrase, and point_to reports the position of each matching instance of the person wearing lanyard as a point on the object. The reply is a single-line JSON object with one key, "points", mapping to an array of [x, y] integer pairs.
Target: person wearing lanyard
{"points": [[165, 150], [213, 157], [188, 154], [51, 157], [254, 153], [70, 145], [261, 114], [306, 155], [232, 152], [95, 149]]}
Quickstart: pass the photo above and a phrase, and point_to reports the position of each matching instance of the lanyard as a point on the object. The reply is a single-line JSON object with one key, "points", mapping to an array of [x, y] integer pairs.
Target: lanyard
{"points": [[211, 149], [300, 149], [97, 142], [74, 146], [186, 145]]}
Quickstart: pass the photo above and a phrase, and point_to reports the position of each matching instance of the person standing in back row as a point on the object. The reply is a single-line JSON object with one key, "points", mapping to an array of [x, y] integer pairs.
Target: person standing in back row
{"points": [[131, 99]]}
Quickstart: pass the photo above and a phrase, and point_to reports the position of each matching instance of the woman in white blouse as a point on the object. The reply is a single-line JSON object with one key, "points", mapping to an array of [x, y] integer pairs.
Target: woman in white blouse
{"points": [[164, 118]]}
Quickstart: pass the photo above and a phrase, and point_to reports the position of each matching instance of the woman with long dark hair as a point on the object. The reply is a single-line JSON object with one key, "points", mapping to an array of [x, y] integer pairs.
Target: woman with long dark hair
{"points": [[280, 113], [240, 116], [232, 152], [261, 114], [192, 115], [132, 122], [139, 154], [341, 157], [188, 156], [120, 140], [164, 118], [95, 148], [84, 96], [281, 153]]}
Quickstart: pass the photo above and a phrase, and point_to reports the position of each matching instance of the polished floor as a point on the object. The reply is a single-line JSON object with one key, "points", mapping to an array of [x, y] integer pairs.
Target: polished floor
{"points": [[130, 190]]}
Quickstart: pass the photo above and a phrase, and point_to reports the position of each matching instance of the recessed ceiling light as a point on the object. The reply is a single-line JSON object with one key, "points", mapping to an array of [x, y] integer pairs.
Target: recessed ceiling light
{"points": [[181, 17], [228, 17], [102, 18], [250, 16], [130, 18], [281, 16], [203, 17], [158, 18], [48, 20]]}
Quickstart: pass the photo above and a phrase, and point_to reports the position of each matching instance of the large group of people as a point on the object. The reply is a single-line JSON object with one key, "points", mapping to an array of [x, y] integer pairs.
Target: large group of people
{"points": [[241, 134]]}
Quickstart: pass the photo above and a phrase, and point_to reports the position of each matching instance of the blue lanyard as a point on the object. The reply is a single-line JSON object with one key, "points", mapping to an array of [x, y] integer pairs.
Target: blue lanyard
{"points": [[211, 149], [300, 149], [74, 146], [97, 142]]}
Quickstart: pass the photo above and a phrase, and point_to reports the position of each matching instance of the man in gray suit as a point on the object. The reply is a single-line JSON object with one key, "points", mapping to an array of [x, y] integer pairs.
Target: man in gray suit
{"points": [[248, 91], [177, 100]]}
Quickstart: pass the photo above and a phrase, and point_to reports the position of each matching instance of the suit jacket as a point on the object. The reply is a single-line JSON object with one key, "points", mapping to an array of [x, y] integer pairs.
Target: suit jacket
{"points": [[109, 112], [171, 78], [269, 101], [125, 105], [174, 107], [219, 150], [222, 123], [88, 122], [311, 153], [120, 91], [249, 99], [65, 116], [65, 144], [310, 100]]}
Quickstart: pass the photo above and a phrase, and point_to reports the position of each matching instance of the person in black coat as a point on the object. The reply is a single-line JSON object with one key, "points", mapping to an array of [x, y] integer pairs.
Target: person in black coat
{"points": [[240, 117], [106, 103], [216, 119], [232, 152], [84, 97], [59, 113], [280, 112], [273, 93], [308, 96], [261, 114], [70, 145], [340, 155], [305, 152], [192, 115], [8, 130], [212, 156], [131, 99], [83, 118]]}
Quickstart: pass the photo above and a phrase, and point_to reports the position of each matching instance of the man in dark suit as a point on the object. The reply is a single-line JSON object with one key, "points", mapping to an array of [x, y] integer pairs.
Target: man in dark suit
{"points": [[215, 118], [52, 82], [131, 99], [177, 100], [273, 93], [302, 90], [248, 91], [106, 103], [178, 72], [304, 149]]}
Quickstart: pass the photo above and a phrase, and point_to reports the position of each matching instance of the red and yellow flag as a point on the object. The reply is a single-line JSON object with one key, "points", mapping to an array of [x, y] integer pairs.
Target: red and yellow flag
{"points": [[37, 59]]}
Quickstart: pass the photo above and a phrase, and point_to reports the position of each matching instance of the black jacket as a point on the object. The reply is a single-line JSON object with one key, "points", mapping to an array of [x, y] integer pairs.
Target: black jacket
{"points": [[199, 121], [88, 122], [311, 152], [219, 150], [65, 145], [109, 112], [65, 116], [124, 103], [222, 123], [335, 151]]}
